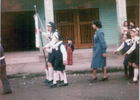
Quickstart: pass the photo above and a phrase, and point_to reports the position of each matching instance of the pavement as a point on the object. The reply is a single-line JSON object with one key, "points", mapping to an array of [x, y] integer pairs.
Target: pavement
{"points": [[33, 62]]}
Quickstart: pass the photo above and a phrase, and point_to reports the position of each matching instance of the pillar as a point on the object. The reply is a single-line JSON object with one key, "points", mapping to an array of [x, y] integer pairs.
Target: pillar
{"points": [[121, 17], [49, 15]]}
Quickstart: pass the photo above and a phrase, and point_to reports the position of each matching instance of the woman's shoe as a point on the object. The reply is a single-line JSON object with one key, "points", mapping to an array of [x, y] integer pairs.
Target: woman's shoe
{"points": [[104, 79], [134, 81], [93, 80]]}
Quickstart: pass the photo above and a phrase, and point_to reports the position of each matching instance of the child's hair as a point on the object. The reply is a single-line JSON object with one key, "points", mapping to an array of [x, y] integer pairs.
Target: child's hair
{"points": [[59, 36], [132, 22], [133, 29], [128, 35], [53, 26], [69, 39], [124, 23], [137, 29]]}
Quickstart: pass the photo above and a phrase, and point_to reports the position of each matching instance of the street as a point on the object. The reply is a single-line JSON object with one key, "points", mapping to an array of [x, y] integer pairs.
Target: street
{"points": [[34, 88]]}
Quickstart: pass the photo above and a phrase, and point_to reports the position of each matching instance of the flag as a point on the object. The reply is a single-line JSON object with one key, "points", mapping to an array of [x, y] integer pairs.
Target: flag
{"points": [[36, 31]]}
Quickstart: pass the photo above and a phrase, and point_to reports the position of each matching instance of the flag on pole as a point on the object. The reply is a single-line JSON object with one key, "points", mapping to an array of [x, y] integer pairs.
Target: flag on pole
{"points": [[36, 31]]}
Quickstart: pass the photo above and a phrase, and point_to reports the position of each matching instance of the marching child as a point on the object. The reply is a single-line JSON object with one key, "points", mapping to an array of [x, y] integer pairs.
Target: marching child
{"points": [[135, 47], [70, 49], [126, 45], [59, 61], [48, 48]]}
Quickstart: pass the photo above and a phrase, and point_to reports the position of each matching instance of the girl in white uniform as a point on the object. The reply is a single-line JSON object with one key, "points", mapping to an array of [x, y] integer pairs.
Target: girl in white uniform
{"points": [[52, 32], [136, 48]]}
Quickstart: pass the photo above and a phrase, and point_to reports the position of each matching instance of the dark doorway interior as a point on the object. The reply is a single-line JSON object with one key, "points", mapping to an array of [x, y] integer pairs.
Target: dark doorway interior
{"points": [[18, 31]]}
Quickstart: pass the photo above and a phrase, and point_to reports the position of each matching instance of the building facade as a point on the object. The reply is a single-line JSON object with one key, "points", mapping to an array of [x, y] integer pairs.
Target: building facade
{"points": [[73, 18]]}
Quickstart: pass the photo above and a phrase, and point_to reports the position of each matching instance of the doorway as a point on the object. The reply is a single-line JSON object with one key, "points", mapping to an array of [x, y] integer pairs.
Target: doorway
{"points": [[18, 31], [77, 24]]}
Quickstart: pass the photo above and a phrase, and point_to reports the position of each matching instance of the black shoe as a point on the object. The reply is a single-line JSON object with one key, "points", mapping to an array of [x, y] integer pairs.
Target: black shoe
{"points": [[9, 92], [63, 84], [49, 82], [58, 82], [52, 85], [93, 80], [104, 79], [46, 81]]}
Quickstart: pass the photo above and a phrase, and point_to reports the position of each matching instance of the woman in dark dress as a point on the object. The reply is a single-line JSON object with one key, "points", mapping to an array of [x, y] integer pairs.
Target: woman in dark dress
{"points": [[99, 51]]}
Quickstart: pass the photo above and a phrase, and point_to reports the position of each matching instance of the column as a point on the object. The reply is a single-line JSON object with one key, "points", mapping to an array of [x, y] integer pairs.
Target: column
{"points": [[121, 17], [48, 6]]}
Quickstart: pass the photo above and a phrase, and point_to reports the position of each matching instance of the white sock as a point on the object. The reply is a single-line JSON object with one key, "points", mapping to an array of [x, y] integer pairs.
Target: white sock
{"points": [[61, 76], [65, 78], [136, 73], [50, 69], [47, 74], [58, 73], [55, 78]]}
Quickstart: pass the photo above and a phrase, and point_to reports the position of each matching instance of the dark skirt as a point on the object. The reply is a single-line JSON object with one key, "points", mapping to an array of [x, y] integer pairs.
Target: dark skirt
{"points": [[51, 57], [133, 56], [59, 68], [127, 59]]}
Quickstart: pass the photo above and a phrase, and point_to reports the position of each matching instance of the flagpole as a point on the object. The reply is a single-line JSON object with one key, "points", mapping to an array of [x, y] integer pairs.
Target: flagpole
{"points": [[41, 38]]}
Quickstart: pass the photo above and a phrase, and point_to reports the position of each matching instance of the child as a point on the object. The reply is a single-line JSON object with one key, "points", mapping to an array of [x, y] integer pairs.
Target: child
{"points": [[131, 25], [135, 47], [60, 61], [52, 31], [48, 48], [126, 45], [70, 49]]}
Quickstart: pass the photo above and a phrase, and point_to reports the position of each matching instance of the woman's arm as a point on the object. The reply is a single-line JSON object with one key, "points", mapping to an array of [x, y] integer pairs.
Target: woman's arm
{"points": [[102, 42]]}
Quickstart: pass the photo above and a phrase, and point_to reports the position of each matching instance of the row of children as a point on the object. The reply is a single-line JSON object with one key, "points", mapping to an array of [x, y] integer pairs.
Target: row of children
{"points": [[126, 28], [131, 56], [58, 57]]}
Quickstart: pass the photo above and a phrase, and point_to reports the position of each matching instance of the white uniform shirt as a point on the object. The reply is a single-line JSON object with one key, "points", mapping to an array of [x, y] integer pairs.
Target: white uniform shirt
{"points": [[122, 45], [62, 49], [134, 41], [52, 42]]}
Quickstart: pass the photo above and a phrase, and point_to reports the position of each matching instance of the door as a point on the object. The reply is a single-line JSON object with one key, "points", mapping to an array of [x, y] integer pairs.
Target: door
{"points": [[77, 24], [133, 14]]}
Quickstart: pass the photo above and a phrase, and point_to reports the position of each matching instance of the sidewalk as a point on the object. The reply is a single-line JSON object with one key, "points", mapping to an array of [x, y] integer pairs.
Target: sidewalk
{"points": [[33, 61]]}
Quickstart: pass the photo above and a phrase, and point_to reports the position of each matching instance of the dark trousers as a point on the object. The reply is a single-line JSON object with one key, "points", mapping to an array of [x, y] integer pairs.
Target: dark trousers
{"points": [[3, 76]]}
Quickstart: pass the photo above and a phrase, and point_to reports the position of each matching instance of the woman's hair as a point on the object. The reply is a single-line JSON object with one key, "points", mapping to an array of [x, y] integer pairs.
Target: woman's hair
{"points": [[124, 23], [97, 23], [128, 35], [51, 24]]}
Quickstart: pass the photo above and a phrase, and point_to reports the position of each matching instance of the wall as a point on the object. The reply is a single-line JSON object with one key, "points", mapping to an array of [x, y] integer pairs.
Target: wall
{"points": [[107, 13]]}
